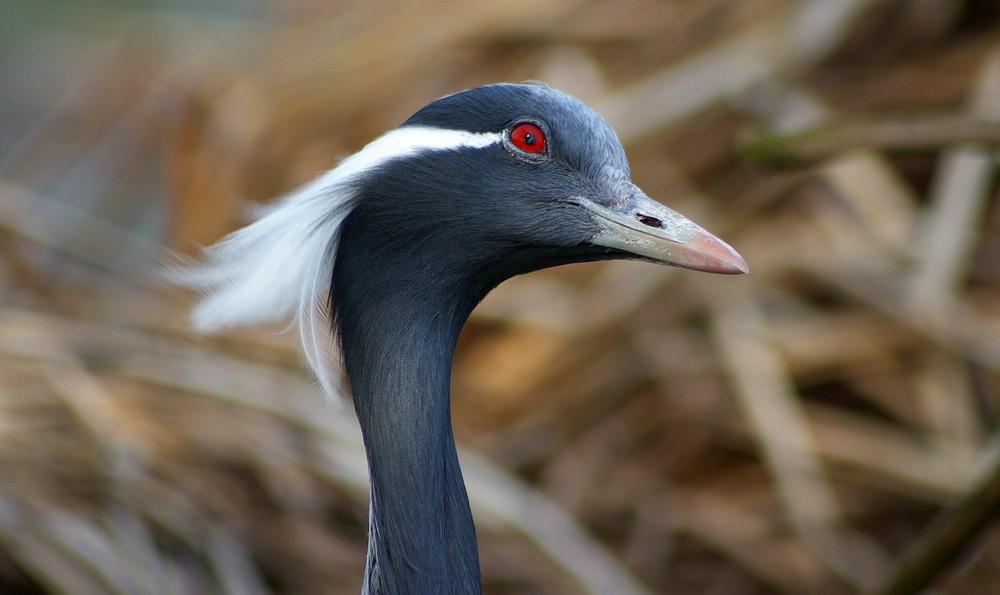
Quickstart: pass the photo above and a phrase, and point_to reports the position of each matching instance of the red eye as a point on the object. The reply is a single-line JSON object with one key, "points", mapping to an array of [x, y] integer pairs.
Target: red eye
{"points": [[528, 137]]}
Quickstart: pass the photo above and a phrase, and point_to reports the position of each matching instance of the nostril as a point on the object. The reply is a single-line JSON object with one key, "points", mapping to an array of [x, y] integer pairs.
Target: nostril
{"points": [[650, 221]]}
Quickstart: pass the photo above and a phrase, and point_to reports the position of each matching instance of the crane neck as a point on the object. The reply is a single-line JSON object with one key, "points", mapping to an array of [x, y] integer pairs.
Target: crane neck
{"points": [[409, 270], [398, 342]]}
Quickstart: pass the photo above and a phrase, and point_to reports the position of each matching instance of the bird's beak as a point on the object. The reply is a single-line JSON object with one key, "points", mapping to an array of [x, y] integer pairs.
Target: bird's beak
{"points": [[641, 226]]}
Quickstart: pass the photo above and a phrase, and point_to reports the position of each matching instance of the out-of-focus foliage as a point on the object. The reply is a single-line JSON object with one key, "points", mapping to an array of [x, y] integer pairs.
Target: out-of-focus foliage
{"points": [[811, 427]]}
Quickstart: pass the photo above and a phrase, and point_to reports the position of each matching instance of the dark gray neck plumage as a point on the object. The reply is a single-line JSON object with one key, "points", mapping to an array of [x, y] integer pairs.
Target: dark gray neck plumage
{"points": [[398, 318], [422, 538]]}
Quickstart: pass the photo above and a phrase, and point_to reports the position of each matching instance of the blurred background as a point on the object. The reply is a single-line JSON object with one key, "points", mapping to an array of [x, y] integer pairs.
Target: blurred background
{"points": [[827, 424]]}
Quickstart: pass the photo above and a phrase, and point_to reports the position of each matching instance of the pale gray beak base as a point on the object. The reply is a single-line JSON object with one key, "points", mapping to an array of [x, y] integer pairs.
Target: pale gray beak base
{"points": [[646, 228]]}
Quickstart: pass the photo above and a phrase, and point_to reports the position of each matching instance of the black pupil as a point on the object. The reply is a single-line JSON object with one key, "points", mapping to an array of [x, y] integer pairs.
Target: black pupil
{"points": [[529, 139]]}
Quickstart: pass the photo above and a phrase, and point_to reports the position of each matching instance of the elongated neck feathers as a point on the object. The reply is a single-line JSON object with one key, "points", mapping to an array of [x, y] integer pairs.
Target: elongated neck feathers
{"points": [[278, 267]]}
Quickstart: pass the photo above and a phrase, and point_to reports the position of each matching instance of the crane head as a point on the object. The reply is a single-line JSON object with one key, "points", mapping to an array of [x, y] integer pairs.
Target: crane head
{"points": [[487, 183], [538, 167]]}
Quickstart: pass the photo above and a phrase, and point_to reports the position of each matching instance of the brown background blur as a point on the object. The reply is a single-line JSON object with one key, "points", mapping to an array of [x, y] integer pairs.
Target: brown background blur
{"points": [[628, 428]]}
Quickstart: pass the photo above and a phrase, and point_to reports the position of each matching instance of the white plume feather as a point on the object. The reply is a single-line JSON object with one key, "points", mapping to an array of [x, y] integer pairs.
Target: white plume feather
{"points": [[279, 267]]}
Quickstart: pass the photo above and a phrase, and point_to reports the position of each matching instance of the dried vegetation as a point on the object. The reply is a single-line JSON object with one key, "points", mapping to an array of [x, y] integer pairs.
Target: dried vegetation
{"points": [[827, 424]]}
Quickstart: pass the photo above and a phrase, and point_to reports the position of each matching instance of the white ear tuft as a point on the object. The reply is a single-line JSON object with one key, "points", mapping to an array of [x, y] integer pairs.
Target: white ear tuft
{"points": [[279, 267]]}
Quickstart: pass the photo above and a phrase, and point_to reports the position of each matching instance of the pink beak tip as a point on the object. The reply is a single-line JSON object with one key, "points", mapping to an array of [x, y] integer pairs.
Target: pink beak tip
{"points": [[717, 256]]}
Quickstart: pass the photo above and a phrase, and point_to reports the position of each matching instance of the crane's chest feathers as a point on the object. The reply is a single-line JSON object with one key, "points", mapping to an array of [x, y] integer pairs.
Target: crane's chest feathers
{"points": [[278, 268]]}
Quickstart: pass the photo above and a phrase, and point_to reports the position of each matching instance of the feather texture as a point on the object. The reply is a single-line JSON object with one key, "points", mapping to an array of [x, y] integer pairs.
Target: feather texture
{"points": [[279, 267]]}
